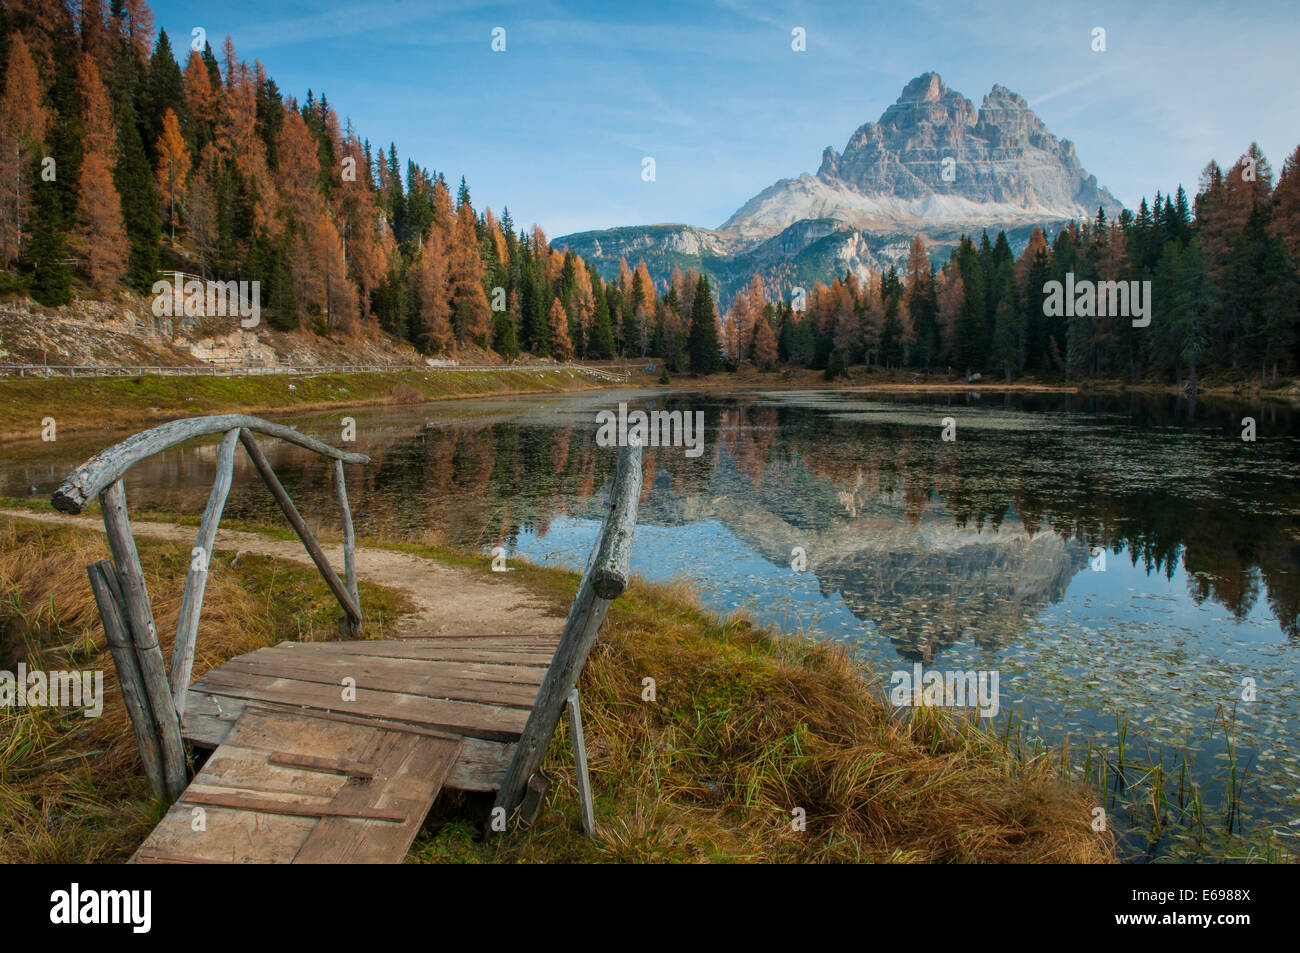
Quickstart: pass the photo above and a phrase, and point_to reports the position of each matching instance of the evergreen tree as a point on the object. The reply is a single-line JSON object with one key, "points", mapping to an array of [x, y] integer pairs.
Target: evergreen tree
{"points": [[705, 354]]}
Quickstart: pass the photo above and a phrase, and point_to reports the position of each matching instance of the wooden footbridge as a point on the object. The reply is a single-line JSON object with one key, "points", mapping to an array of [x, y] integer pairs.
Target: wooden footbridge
{"points": [[326, 752]]}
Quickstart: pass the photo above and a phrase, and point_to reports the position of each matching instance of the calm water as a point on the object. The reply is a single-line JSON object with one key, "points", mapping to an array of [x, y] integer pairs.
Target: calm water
{"points": [[1121, 563]]}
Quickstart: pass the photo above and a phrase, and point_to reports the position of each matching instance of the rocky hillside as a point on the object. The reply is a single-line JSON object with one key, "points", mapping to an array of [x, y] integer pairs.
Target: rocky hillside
{"points": [[123, 331], [932, 165]]}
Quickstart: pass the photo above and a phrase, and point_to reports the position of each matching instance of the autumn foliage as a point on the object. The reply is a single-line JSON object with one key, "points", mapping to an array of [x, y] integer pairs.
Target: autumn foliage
{"points": [[205, 166]]}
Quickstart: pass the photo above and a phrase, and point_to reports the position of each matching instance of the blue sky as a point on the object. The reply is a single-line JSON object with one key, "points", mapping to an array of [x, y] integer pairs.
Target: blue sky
{"points": [[557, 125]]}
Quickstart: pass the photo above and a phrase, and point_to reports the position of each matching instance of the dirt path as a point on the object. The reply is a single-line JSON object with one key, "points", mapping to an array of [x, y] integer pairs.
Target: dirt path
{"points": [[448, 599]]}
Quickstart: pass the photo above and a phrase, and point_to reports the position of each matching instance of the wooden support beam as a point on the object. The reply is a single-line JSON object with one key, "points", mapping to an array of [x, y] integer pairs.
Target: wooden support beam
{"points": [[300, 527], [349, 544], [580, 762], [196, 581], [139, 618], [103, 583], [608, 570]]}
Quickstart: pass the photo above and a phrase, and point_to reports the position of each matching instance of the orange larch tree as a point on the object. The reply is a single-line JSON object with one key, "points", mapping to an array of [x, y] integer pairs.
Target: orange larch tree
{"points": [[173, 167], [23, 121], [99, 237], [561, 344]]}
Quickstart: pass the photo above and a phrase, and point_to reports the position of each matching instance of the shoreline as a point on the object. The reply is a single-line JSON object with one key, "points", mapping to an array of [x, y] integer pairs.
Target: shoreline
{"points": [[78, 405], [746, 726], [136, 403]]}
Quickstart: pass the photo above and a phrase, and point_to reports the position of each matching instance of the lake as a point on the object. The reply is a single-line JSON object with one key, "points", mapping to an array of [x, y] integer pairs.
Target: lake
{"points": [[1128, 566]]}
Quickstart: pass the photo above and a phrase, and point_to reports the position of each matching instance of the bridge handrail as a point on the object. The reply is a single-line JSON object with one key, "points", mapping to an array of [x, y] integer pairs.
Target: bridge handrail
{"points": [[603, 580], [155, 695], [107, 467]]}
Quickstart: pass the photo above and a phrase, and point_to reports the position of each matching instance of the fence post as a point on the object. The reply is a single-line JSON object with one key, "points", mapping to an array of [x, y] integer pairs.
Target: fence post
{"points": [[139, 615]]}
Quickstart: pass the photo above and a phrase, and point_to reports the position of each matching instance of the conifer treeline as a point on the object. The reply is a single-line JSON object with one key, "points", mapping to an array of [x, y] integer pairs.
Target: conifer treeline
{"points": [[116, 162], [1225, 293]]}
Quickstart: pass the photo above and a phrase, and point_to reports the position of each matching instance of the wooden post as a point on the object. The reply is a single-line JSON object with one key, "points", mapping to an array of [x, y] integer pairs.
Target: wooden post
{"points": [[197, 580], [139, 617], [580, 762], [349, 543], [605, 577], [103, 582], [300, 527]]}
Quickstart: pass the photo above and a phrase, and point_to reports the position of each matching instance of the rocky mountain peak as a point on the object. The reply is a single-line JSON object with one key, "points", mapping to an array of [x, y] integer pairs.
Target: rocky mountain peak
{"points": [[933, 165], [933, 158], [926, 88]]}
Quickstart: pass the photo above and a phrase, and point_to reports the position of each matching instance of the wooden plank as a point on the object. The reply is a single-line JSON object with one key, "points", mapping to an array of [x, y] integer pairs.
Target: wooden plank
{"points": [[230, 836], [237, 768], [451, 653], [271, 805], [106, 467], [413, 772], [600, 583], [297, 732], [388, 675], [207, 720], [263, 467], [103, 583], [480, 767], [196, 581], [351, 769], [539, 636], [451, 668], [139, 618], [483, 720]]}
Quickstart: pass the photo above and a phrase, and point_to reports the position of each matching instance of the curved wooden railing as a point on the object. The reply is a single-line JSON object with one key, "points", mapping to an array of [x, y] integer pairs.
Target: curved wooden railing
{"points": [[603, 580], [154, 695]]}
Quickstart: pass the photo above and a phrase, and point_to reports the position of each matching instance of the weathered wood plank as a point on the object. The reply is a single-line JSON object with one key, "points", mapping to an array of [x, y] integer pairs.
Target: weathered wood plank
{"points": [[103, 583], [299, 525], [271, 805], [106, 467], [412, 774], [230, 836], [480, 767], [139, 618], [483, 720], [404, 676], [586, 615], [196, 581], [350, 769], [236, 768], [451, 653]]}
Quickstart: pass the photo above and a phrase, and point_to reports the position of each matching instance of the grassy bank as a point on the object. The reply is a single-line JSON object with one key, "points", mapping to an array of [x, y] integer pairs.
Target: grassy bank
{"points": [[1242, 385], [744, 729], [79, 404]]}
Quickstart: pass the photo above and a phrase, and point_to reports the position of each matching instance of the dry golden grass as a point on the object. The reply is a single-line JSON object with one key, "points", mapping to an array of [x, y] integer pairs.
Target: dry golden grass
{"points": [[72, 788], [746, 728]]}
